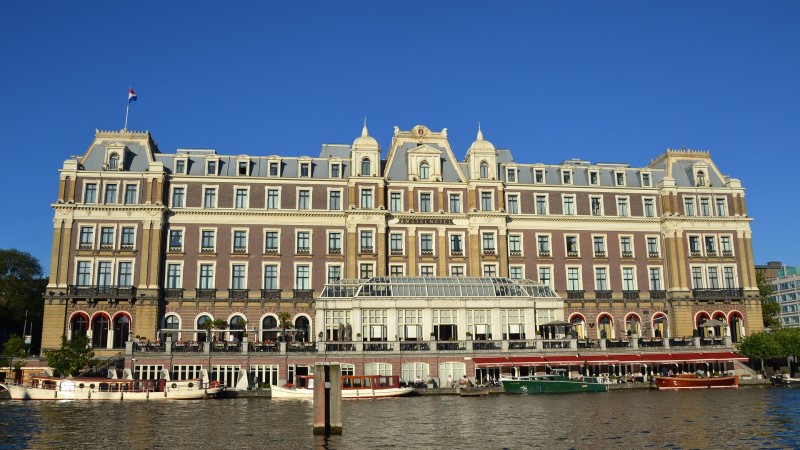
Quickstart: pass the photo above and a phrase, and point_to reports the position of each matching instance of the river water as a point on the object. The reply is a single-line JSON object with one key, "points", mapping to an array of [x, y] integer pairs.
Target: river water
{"points": [[750, 417]]}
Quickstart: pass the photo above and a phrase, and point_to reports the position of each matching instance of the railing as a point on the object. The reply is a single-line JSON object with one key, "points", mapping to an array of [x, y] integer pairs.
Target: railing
{"points": [[412, 346], [658, 295], [101, 291], [627, 254], [271, 294], [207, 250], [544, 253], [652, 254], [271, 250], [528, 344], [239, 294], [302, 294], [85, 246], [602, 295], [367, 250], [651, 342], [335, 251], [456, 253], [718, 293], [175, 248], [575, 295], [572, 254], [449, 346], [711, 253], [630, 295], [727, 253], [515, 253], [695, 253], [486, 345], [488, 251], [173, 293], [304, 251], [378, 346], [126, 247], [205, 293], [239, 251], [426, 252], [600, 254]]}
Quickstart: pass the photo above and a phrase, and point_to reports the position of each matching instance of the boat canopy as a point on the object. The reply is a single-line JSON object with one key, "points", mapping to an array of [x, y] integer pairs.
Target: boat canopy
{"points": [[608, 359], [440, 287]]}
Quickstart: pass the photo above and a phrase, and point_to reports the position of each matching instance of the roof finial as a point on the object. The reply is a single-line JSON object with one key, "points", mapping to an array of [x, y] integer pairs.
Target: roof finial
{"points": [[480, 133], [364, 131]]}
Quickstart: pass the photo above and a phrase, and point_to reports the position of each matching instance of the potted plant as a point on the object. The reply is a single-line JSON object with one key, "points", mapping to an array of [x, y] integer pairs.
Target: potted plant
{"points": [[430, 383], [469, 335]]}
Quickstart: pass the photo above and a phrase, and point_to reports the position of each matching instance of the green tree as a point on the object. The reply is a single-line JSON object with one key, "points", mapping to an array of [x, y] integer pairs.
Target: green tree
{"points": [[760, 345], [283, 318], [789, 341], [21, 287], [770, 309], [73, 356], [14, 352]]}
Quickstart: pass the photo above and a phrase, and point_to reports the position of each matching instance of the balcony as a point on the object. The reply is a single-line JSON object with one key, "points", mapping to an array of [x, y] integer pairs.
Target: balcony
{"points": [[717, 294], [711, 253], [695, 253], [97, 291], [106, 246], [303, 294], [426, 252], [205, 293], [396, 252], [126, 247], [602, 295], [630, 295], [85, 246], [727, 253], [238, 294], [658, 295], [575, 295], [270, 294], [173, 293]]}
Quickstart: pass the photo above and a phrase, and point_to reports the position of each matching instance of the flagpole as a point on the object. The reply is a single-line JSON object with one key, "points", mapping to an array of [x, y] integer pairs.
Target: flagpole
{"points": [[126, 115]]}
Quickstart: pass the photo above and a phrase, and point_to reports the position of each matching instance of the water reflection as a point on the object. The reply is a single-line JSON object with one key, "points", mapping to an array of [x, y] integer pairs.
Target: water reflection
{"points": [[748, 417]]}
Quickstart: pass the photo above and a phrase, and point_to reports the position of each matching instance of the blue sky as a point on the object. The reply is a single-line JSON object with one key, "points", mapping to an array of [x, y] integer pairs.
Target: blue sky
{"points": [[604, 81]]}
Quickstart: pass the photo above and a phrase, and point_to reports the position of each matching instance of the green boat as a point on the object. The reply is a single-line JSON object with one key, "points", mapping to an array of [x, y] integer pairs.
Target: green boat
{"points": [[555, 382]]}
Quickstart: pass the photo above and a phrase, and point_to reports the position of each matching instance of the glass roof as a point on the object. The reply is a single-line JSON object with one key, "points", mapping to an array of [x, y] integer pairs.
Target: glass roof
{"points": [[446, 287]]}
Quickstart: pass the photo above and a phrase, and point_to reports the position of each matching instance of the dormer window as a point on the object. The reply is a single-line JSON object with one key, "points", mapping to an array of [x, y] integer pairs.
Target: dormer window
{"points": [[701, 178], [211, 167], [511, 175], [366, 167], [566, 177], [336, 170], [484, 170], [242, 168], [619, 178], [646, 180], [180, 166], [305, 170], [594, 178], [113, 161], [539, 176], [273, 169], [424, 171]]}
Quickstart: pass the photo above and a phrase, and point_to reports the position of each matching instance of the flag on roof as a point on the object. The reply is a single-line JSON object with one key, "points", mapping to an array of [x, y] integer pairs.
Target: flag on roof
{"points": [[131, 95]]}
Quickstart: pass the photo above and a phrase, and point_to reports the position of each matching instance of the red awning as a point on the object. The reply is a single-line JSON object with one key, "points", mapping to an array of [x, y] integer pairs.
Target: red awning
{"points": [[491, 362], [527, 361], [564, 360]]}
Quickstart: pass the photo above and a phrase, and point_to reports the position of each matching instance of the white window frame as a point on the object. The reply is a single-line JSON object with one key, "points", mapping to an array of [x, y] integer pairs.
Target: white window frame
{"points": [[341, 199], [264, 232], [564, 198], [236, 193], [266, 197], [310, 198], [215, 187]]}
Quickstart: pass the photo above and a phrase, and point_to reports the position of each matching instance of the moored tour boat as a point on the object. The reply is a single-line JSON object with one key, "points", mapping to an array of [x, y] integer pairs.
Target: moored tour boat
{"points": [[554, 383], [55, 388], [694, 381], [784, 380], [353, 386]]}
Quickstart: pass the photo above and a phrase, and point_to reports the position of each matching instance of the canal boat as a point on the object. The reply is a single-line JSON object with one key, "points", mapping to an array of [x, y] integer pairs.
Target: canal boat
{"points": [[55, 388], [353, 387], [556, 382], [473, 391], [695, 381], [784, 380]]}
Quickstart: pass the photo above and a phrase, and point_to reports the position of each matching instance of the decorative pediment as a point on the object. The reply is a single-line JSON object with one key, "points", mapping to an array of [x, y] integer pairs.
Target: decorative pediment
{"points": [[424, 163]]}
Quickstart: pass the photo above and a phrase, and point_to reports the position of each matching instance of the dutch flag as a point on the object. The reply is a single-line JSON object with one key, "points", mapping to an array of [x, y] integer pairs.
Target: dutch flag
{"points": [[131, 95]]}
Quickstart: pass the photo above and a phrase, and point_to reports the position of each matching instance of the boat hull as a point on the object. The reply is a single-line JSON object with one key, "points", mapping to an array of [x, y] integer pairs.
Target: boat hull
{"points": [[308, 394], [682, 383], [784, 381], [541, 386], [178, 392]]}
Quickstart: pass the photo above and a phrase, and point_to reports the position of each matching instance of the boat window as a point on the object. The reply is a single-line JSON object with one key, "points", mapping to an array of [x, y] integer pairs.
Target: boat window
{"points": [[91, 386], [125, 388], [367, 382], [357, 382], [103, 387], [191, 385], [346, 383]]}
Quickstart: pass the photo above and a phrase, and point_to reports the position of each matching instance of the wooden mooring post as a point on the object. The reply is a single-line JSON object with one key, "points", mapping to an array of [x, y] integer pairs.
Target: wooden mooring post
{"points": [[327, 398]]}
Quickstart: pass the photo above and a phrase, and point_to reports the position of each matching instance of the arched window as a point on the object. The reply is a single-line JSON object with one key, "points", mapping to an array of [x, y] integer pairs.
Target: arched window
{"points": [[424, 171], [303, 329], [269, 328], [122, 328], [238, 323], [702, 318], [113, 161], [484, 170], [366, 167], [78, 325], [203, 323], [605, 327], [100, 331], [632, 325], [736, 323], [660, 326], [173, 322], [578, 326], [701, 178]]}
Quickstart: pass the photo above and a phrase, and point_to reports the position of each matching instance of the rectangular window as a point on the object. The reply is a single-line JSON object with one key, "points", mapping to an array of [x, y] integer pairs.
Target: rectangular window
{"points": [[302, 279], [210, 197], [177, 197], [425, 202], [396, 270], [711, 248], [239, 241], [626, 247], [366, 198], [334, 272], [597, 206], [622, 206], [208, 241], [305, 170], [572, 245], [106, 237], [180, 166], [489, 270], [90, 195], [649, 207], [655, 279], [395, 201], [335, 200], [486, 201], [688, 206], [515, 272], [426, 271], [130, 194], [713, 278], [426, 243], [396, 243], [273, 201], [539, 175], [175, 240], [627, 279], [573, 279], [174, 276], [365, 271], [455, 203], [543, 245], [645, 180], [84, 273], [206, 276], [241, 198], [243, 167], [722, 209], [600, 279], [730, 281], [705, 207], [303, 242], [87, 237], [457, 271], [541, 205], [566, 177], [271, 241], [725, 245], [594, 178], [366, 241], [304, 199], [599, 246], [513, 204], [620, 177], [335, 243], [211, 167], [271, 276], [652, 247], [694, 245], [511, 175], [127, 237], [336, 172], [514, 244], [545, 276], [456, 246], [569, 205], [111, 194], [488, 242], [238, 280], [125, 274], [273, 169], [697, 277]]}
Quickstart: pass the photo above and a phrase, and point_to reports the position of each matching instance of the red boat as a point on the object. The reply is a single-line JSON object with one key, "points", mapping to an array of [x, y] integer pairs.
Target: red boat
{"points": [[694, 381]]}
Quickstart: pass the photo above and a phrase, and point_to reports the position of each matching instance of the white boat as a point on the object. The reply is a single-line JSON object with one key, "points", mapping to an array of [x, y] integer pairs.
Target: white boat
{"points": [[353, 387], [83, 388]]}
